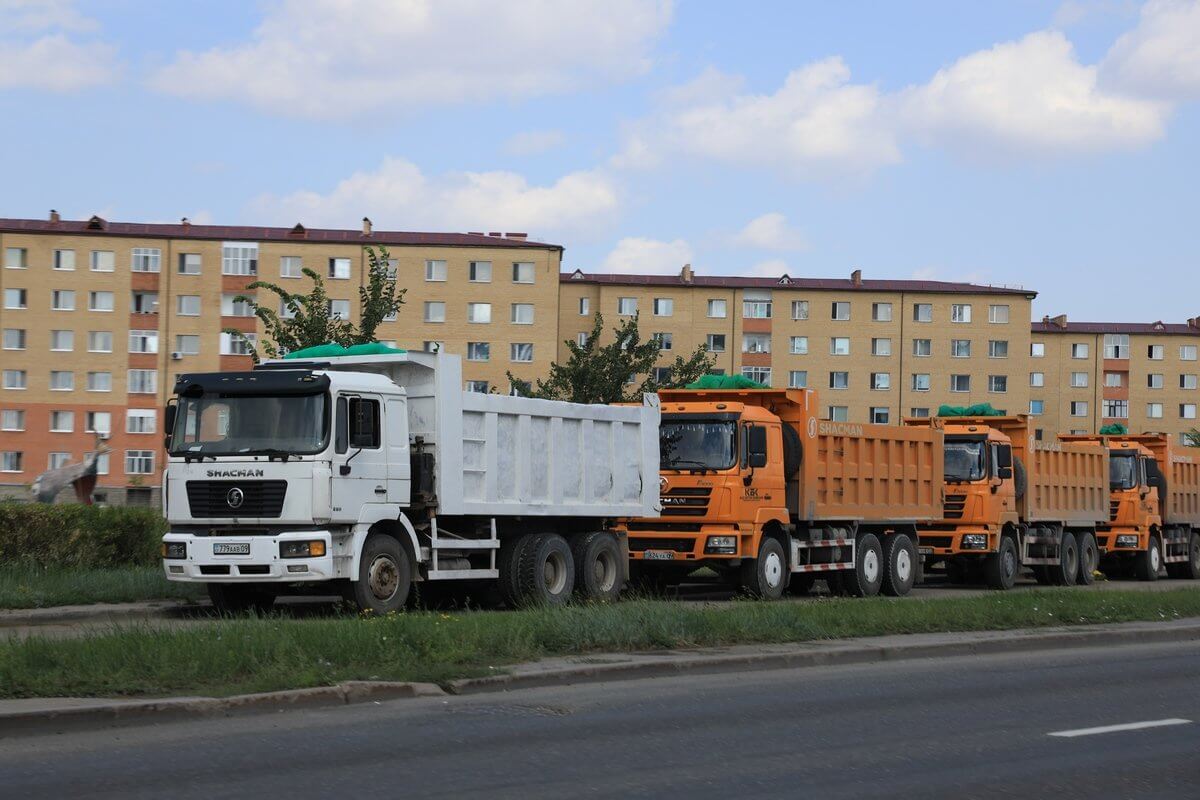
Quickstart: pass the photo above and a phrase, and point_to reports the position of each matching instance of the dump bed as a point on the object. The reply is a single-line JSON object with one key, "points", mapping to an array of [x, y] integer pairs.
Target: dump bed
{"points": [[848, 471], [499, 455], [1182, 473]]}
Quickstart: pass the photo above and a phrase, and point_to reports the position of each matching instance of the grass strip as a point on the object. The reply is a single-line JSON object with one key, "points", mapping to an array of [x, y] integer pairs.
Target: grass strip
{"points": [[231, 656], [29, 586]]}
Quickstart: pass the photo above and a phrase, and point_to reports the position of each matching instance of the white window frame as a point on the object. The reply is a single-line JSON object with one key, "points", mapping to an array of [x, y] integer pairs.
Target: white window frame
{"points": [[239, 258], [435, 270], [145, 259], [479, 313], [431, 309]]}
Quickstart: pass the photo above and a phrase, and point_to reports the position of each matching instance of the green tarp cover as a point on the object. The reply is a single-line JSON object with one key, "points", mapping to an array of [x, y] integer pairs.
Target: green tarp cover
{"points": [[977, 410], [332, 350], [725, 382], [1115, 429]]}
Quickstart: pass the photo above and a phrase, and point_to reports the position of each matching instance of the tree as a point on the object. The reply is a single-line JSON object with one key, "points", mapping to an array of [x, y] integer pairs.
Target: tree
{"points": [[310, 322], [1192, 438], [600, 373]]}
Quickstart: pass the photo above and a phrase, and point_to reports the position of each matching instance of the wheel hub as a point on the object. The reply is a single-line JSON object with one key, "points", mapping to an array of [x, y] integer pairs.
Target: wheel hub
{"points": [[903, 565], [870, 566], [554, 573], [383, 577], [604, 571], [773, 569]]}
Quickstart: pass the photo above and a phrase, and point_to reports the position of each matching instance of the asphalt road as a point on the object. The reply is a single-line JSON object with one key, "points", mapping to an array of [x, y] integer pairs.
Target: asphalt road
{"points": [[973, 727]]}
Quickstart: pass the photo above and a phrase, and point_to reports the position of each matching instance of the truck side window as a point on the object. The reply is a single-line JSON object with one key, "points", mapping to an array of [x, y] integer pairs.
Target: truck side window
{"points": [[364, 423], [340, 427]]}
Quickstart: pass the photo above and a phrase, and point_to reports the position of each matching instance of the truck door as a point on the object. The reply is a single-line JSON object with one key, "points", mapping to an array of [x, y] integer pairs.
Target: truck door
{"points": [[398, 467], [360, 473]]}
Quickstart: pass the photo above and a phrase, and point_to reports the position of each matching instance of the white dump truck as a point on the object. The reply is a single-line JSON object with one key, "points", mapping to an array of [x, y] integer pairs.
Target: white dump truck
{"points": [[369, 473]]}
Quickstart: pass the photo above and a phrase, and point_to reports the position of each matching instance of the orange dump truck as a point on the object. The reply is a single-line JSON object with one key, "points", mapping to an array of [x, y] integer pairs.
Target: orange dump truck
{"points": [[1154, 507], [1012, 501], [755, 486]]}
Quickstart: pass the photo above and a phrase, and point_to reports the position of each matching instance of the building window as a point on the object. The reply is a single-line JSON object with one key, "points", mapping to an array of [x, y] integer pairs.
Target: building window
{"points": [[16, 258], [479, 313], [1116, 409], [99, 381], [881, 381], [242, 345], [430, 346], [291, 267], [143, 341], [239, 258], [798, 345], [756, 343], [100, 341], [187, 344], [16, 299], [479, 387], [922, 312], [522, 272], [1037, 379], [339, 269], [716, 343], [922, 348], [881, 347], [62, 300], [479, 351], [663, 306], [626, 306], [717, 309], [139, 462], [64, 260], [521, 352], [584, 306], [12, 419], [14, 379], [1037, 407], [62, 380], [960, 383], [960, 312], [881, 312], [582, 337], [839, 380], [997, 384], [435, 270], [1187, 410], [479, 272], [14, 339], [998, 314], [58, 460], [1155, 352], [960, 348], [231, 306], [522, 313], [144, 303], [189, 263], [1187, 381], [141, 420], [839, 346], [1079, 350], [920, 382], [62, 421], [1154, 380], [146, 259], [1187, 352], [799, 309], [1154, 410], [435, 311], [1116, 345], [103, 261], [1079, 408], [758, 374], [100, 301], [665, 340], [997, 348], [660, 375], [1079, 380], [756, 309], [187, 305], [142, 381], [918, 412], [881, 415], [339, 309], [1037, 350], [839, 413], [840, 312], [1113, 380], [798, 379]]}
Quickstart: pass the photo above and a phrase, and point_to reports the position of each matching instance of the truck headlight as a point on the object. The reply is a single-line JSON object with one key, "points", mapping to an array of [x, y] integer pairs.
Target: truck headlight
{"points": [[174, 549], [1127, 541], [304, 549], [723, 545], [974, 541]]}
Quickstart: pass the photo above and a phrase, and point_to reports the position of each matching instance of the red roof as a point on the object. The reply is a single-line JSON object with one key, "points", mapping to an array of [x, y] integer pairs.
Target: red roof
{"points": [[834, 284], [253, 233], [1116, 327]]}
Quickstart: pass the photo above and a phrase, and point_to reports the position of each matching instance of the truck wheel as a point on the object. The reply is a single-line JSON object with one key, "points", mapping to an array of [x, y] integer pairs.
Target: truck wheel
{"points": [[1089, 557], [507, 562], [598, 573], [900, 565], [766, 576], [384, 576], [1000, 568], [866, 578], [1147, 562], [801, 584], [1064, 572], [545, 571], [1190, 569], [238, 598]]}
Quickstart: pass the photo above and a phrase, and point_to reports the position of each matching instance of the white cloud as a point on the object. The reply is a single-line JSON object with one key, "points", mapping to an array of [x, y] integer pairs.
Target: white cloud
{"points": [[398, 195], [1028, 96], [770, 232], [648, 256], [331, 58], [529, 143], [39, 15], [1160, 57], [36, 53]]}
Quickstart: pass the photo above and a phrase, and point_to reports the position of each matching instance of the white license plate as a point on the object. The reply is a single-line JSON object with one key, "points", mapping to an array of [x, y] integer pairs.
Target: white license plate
{"points": [[658, 555], [926, 551], [231, 548]]}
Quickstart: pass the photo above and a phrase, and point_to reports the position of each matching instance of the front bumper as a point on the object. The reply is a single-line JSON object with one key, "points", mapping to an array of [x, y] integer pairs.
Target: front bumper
{"points": [[261, 565], [690, 546], [948, 540]]}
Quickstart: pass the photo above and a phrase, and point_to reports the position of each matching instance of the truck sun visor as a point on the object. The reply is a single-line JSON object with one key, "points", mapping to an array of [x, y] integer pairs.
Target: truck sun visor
{"points": [[274, 382]]}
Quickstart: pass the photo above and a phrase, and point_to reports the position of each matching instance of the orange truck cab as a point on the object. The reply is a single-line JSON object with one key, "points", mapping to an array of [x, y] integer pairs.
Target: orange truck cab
{"points": [[755, 486], [1154, 507], [1011, 501]]}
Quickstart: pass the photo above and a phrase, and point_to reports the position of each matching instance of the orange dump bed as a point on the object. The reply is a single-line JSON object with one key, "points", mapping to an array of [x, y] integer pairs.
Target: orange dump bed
{"points": [[1182, 472], [1067, 483]]}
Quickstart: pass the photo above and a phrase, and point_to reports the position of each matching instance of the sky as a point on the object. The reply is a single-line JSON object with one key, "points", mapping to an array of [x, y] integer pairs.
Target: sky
{"points": [[1049, 145]]}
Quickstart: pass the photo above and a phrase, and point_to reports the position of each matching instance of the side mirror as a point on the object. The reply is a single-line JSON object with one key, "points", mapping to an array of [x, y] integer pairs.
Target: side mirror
{"points": [[1005, 473], [169, 423]]}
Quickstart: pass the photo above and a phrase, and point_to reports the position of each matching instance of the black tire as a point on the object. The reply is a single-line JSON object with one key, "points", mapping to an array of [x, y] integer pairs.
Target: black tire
{"points": [[765, 577], [507, 562], [866, 579], [1065, 571], [599, 573], [1000, 569], [1147, 562], [1089, 559], [239, 598], [545, 571], [900, 561], [801, 584], [1188, 570], [1020, 478], [793, 451], [384, 576]]}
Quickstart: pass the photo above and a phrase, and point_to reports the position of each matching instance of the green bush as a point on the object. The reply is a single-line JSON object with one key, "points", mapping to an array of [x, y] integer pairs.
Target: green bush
{"points": [[68, 535]]}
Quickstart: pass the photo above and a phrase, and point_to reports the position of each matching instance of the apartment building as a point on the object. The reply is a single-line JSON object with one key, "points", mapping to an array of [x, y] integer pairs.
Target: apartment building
{"points": [[99, 317], [878, 350], [1084, 375]]}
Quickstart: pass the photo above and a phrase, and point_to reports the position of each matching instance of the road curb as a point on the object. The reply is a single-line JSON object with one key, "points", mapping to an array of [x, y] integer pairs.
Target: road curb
{"points": [[54, 615]]}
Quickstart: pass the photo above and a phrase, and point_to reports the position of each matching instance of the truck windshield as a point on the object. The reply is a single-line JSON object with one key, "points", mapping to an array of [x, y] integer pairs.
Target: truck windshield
{"points": [[1122, 471], [964, 460], [697, 444], [224, 425]]}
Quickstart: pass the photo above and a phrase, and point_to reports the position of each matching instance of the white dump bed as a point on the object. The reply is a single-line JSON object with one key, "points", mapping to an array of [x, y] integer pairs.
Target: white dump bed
{"points": [[501, 455]]}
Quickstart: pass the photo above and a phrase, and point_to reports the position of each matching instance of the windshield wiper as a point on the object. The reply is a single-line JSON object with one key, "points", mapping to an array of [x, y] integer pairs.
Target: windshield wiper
{"points": [[678, 464], [271, 453]]}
